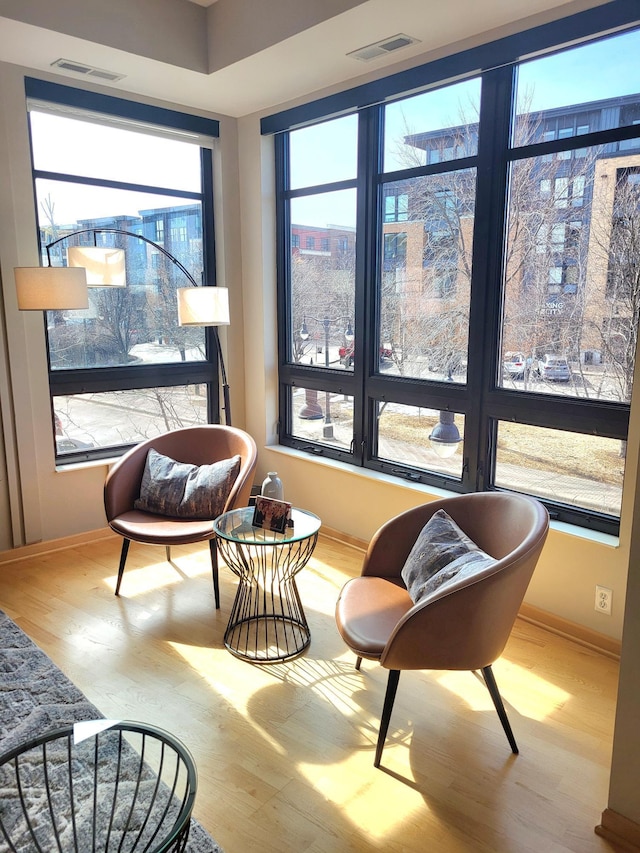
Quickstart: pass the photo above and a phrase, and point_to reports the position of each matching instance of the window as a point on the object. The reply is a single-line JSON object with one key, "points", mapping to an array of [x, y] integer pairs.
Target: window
{"points": [[396, 208], [395, 251], [517, 238], [123, 369]]}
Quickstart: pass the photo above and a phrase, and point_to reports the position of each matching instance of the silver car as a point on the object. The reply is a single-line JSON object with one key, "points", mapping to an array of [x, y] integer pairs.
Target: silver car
{"points": [[555, 368], [515, 364]]}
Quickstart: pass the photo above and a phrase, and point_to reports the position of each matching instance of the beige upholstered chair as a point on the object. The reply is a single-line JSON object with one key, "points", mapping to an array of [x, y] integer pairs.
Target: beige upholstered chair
{"points": [[463, 624], [200, 445]]}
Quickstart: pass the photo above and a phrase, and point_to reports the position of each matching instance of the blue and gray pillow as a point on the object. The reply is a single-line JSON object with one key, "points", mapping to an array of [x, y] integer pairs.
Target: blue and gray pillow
{"points": [[441, 553], [182, 490]]}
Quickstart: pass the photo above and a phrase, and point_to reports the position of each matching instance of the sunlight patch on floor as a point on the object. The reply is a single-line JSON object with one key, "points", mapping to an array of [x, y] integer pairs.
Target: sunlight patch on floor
{"points": [[233, 688], [369, 796], [156, 576], [529, 694]]}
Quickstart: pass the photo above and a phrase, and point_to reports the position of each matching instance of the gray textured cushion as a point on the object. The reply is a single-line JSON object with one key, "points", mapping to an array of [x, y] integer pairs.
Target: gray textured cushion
{"points": [[441, 552], [182, 490]]}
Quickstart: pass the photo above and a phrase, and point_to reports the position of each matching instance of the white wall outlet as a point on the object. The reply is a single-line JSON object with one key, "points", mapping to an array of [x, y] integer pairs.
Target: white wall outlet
{"points": [[603, 599]]}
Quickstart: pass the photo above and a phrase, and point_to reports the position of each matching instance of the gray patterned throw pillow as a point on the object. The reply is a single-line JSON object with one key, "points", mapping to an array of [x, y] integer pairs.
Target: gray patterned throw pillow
{"points": [[441, 552], [182, 490]]}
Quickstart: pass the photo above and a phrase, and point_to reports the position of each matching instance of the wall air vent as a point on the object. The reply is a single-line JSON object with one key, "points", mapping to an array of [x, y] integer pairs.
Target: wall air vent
{"points": [[382, 48], [86, 70]]}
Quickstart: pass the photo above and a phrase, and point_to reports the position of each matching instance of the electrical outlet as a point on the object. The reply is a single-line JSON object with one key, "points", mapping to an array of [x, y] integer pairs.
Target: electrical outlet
{"points": [[603, 599]]}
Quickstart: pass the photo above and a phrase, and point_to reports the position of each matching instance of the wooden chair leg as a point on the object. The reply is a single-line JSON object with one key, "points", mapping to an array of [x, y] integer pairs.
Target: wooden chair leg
{"points": [[213, 548], [123, 560], [392, 686], [358, 662], [490, 681], [167, 549]]}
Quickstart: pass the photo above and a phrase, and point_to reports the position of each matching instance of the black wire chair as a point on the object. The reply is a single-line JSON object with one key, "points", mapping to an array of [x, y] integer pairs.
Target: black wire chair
{"points": [[130, 787]]}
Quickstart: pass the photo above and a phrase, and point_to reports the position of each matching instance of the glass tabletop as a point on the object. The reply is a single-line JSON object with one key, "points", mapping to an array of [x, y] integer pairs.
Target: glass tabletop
{"points": [[236, 526]]}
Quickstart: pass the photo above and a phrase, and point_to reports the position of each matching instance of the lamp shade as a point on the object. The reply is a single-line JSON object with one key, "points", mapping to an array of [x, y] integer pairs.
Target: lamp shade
{"points": [[51, 288], [104, 265], [203, 306]]}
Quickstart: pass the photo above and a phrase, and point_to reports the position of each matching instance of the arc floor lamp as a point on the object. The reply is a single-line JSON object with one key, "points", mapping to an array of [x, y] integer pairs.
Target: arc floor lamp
{"points": [[65, 288]]}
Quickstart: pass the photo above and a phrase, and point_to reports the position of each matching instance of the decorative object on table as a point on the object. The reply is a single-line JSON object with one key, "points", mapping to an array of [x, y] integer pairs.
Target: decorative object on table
{"points": [[195, 447], [468, 569], [35, 696], [271, 514], [65, 288], [105, 785], [272, 486], [267, 621]]}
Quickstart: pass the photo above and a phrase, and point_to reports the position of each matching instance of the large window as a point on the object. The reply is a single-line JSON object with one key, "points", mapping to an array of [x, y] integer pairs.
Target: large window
{"points": [[477, 326], [123, 370]]}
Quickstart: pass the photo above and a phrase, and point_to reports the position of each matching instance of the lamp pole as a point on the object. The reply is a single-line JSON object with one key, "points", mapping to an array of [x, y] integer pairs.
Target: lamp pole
{"points": [[327, 429], [311, 408]]}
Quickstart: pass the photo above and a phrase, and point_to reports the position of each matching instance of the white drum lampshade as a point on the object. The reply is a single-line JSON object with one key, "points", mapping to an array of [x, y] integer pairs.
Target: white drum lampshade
{"points": [[203, 306], [104, 265], [51, 288]]}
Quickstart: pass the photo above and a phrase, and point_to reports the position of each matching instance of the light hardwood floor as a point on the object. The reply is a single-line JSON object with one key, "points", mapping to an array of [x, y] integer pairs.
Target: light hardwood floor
{"points": [[285, 752]]}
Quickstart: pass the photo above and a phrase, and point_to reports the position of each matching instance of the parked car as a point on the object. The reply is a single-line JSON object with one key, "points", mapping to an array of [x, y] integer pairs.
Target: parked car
{"points": [[516, 364], [346, 354], [554, 368], [64, 444]]}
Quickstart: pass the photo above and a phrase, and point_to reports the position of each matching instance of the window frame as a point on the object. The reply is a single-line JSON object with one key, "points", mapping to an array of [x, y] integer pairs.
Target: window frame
{"points": [[63, 382], [482, 401]]}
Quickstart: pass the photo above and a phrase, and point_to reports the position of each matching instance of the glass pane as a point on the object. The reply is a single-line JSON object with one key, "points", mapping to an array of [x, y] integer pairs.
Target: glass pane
{"points": [[322, 416], [433, 127], [426, 276], [73, 147], [421, 438], [582, 470], [137, 323], [568, 94], [110, 419], [571, 303], [323, 278], [324, 153]]}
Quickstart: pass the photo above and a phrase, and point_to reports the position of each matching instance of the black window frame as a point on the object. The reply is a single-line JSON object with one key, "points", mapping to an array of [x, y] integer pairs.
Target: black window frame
{"points": [[482, 401], [132, 377]]}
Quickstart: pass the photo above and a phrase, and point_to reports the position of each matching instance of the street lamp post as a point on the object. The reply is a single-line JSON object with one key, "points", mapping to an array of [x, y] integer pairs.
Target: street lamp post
{"points": [[310, 405]]}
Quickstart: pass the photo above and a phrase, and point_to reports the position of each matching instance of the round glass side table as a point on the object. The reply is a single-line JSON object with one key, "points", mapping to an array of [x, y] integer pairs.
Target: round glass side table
{"points": [[267, 621]]}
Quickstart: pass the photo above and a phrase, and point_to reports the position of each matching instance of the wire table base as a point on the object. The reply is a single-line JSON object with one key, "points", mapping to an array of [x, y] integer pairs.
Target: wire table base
{"points": [[267, 622]]}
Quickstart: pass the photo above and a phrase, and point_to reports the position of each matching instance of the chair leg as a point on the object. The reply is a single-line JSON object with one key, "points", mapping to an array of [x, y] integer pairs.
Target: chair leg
{"points": [[167, 549], [123, 560], [358, 662], [490, 681], [213, 548], [392, 686]]}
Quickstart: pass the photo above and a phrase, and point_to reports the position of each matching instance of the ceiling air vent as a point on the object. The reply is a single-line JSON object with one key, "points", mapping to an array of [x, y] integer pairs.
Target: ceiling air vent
{"points": [[86, 70], [382, 48]]}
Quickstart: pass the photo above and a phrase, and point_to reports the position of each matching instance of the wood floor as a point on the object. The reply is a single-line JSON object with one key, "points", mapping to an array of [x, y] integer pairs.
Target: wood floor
{"points": [[285, 751]]}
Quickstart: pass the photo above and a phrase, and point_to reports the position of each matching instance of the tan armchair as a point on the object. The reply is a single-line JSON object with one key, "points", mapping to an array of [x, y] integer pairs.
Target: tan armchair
{"points": [[196, 445], [465, 624]]}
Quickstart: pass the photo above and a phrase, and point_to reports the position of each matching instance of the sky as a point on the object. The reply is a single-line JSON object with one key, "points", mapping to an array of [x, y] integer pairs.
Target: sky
{"points": [[606, 68], [71, 146]]}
